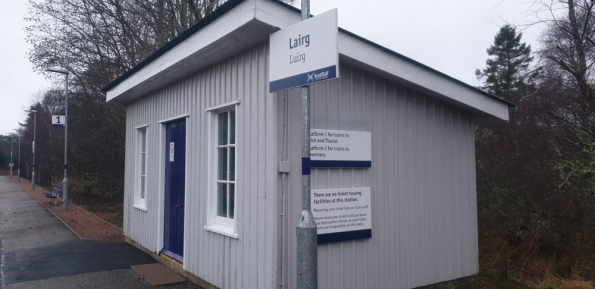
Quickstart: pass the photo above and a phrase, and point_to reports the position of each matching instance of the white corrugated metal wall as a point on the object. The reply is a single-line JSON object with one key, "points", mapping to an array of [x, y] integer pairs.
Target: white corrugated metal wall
{"points": [[424, 216], [422, 179], [246, 262]]}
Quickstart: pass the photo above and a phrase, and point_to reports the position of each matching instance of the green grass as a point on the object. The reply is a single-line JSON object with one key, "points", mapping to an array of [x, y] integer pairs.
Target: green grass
{"points": [[113, 218]]}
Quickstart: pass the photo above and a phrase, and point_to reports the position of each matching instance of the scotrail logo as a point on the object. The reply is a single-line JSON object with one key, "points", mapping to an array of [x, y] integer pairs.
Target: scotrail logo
{"points": [[313, 77]]}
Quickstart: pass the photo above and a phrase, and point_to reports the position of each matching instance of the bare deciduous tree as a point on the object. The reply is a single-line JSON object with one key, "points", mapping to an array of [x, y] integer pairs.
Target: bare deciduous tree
{"points": [[568, 42], [97, 40]]}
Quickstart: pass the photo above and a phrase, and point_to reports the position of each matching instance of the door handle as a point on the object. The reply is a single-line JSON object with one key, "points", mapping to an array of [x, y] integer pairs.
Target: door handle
{"points": [[178, 206]]}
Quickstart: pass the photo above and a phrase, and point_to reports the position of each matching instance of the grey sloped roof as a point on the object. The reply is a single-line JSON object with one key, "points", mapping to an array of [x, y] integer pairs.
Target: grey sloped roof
{"points": [[254, 21]]}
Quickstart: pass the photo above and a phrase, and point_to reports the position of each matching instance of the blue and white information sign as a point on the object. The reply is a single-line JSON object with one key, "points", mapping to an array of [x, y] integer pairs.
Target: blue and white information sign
{"points": [[340, 149], [342, 214], [304, 53]]}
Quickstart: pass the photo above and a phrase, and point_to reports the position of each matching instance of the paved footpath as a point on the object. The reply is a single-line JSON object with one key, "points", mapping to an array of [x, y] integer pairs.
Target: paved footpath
{"points": [[38, 251]]}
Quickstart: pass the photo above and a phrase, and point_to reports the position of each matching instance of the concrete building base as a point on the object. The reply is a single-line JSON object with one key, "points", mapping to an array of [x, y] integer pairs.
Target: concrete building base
{"points": [[452, 284], [173, 265]]}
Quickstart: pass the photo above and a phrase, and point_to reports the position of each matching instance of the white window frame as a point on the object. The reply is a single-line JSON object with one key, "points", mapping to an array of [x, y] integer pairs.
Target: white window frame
{"points": [[140, 202], [215, 223]]}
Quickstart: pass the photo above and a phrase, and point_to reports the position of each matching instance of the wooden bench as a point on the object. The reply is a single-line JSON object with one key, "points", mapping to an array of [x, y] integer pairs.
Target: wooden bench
{"points": [[56, 191]]}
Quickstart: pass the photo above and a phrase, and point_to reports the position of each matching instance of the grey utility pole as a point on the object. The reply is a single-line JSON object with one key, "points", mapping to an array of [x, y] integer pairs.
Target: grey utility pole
{"points": [[34, 133], [19, 157], [307, 243], [11, 145], [65, 181]]}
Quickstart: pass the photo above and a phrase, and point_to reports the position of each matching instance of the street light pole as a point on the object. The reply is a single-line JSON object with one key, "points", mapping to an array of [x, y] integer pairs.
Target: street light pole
{"points": [[307, 243], [19, 157], [65, 181], [11, 145], [34, 133]]}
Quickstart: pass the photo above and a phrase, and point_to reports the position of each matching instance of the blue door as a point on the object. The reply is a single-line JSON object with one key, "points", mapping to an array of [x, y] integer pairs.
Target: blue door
{"points": [[175, 179]]}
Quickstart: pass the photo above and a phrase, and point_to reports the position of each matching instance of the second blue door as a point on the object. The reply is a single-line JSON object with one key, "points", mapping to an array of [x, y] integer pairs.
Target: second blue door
{"points": [[175, 180]]}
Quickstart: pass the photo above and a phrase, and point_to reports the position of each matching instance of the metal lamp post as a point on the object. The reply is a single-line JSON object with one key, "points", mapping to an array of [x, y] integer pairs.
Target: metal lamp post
{"points": [[307, 244], [19, 157], [11, 145], [65, 181], [34, 133]]}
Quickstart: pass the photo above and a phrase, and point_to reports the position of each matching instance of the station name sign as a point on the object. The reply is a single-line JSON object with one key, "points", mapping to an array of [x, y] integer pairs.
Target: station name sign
{"points": [[304, 53]]}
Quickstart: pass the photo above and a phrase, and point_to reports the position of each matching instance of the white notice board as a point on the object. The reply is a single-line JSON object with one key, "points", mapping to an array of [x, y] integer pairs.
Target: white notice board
{"points": [[340, 149], [342, 214]]}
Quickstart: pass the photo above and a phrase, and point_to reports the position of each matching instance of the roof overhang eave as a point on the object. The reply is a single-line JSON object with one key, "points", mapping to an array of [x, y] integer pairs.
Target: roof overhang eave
{"points": [[251, 22]]}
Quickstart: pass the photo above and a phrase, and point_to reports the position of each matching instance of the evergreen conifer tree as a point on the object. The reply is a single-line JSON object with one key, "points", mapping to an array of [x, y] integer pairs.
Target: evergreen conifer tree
{"points": [[508, 66]]}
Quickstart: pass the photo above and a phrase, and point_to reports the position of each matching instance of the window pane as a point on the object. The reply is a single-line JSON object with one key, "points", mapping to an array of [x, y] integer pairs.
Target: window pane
{"points": [[232, 127], [222, 200], [232, 198], [142, 187], [232, 164], [222, 166], [223, 128], [143, 167], [143, 140]]}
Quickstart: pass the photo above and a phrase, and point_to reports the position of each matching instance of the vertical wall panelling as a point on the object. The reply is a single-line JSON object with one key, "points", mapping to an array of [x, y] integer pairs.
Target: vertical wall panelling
{"points": [[391, 166], [248, 261], [247, 201], [473, 202], [424, 224], [358, 106], [242, 200], [253, 161], [423, 187], [431, 158], [371, 276], [271, 165], [128, 187], [261, 157]]}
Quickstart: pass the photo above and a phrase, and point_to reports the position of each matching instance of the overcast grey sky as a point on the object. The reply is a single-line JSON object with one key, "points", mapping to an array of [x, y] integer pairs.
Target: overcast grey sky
{"points": [[449, 36]]}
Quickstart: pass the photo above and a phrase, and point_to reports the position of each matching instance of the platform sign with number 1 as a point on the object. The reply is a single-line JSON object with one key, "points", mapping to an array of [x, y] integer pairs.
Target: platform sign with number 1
{"points": [[58, 120]]}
